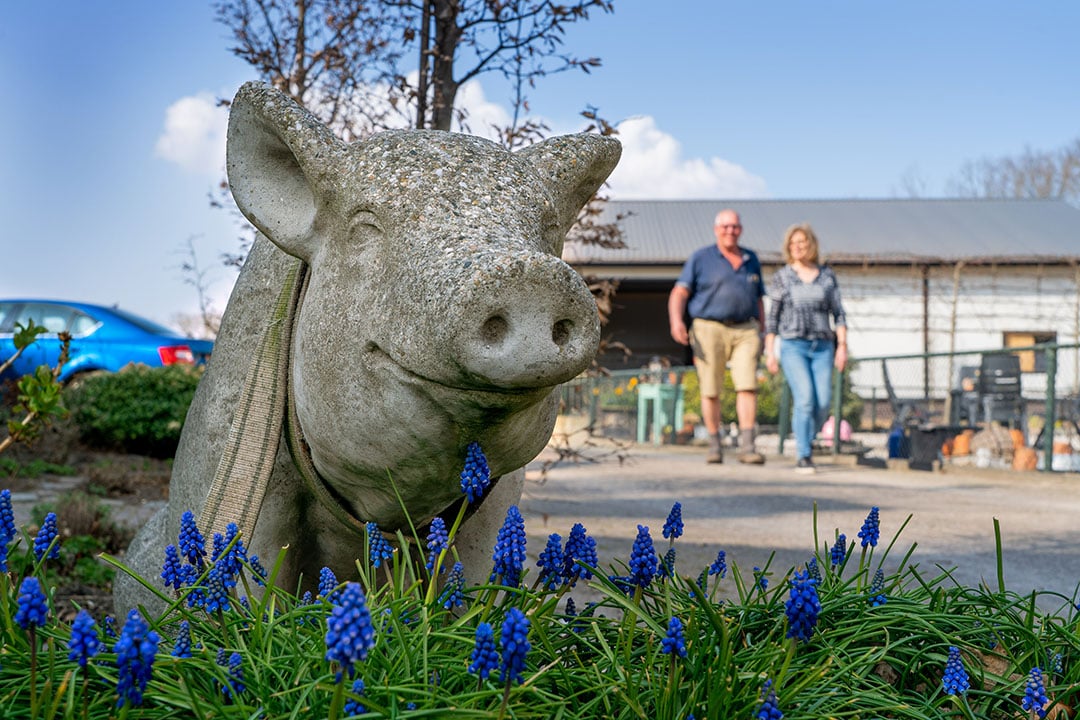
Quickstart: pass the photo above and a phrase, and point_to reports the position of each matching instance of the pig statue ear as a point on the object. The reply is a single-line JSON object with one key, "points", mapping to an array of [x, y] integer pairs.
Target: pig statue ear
{"points": [[573, 167], [278, 158]]}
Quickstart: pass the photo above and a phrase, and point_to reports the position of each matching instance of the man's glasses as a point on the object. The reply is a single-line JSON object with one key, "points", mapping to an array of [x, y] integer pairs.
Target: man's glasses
{"points": [[730, 227]]}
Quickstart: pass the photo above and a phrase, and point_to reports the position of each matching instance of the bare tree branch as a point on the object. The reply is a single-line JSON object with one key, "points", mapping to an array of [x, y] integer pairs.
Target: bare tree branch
{"points": [[1031, 174]]}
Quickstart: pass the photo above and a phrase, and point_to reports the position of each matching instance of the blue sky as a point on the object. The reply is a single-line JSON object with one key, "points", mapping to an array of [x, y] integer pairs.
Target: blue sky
{"points": [[113, 141]]}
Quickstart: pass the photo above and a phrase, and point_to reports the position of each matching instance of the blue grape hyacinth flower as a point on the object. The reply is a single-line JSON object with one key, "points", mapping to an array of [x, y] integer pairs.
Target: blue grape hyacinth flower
{"points": [[452, 594], [871, 529], [191, 542], [135, 653], [552, 562], [1035, 699], [8, 531], [476, 476], [802, 607], [43, 541], [182, 644], [349, 631], [666, 569], [813, 570], [877, 589], [355, 707], [229, 560], [33, 608], [674, 643], [643, 560], [485, 658], [768, 710], [1054, 662], [508, 556], [258, 572], [327, 584], [215, 596], [217, 547], [579, 554], [719, 565], [378, 548], [514, 643], [955, 681], [839, 550], [702, 581], [84, 643], [437, 540], [235, 670], [760, 580], [673, 526], [172, 571], [7, 518]]}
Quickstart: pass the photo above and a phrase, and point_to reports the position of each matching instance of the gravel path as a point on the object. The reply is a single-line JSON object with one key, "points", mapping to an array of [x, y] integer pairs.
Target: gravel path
{"points": [[752, 512]]}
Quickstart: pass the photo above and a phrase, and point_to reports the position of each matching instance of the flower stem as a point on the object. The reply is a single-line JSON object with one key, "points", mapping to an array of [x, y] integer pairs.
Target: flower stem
{"points": [[338, 702]]}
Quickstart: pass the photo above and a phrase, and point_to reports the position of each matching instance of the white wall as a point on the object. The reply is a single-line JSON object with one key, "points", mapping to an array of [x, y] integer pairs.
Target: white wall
{"points": [[885, 317]]}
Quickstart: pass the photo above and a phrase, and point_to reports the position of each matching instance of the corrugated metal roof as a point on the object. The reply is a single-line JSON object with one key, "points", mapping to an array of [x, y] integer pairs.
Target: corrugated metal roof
{"points": [[663, 232]]}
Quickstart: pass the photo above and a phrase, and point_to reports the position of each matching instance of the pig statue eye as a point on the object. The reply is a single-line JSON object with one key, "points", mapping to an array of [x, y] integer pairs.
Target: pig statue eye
{"points": [[366, 219]]}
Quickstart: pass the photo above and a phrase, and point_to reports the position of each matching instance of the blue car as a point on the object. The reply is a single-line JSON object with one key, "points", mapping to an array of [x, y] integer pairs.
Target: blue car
{"points": [[102, 338]]}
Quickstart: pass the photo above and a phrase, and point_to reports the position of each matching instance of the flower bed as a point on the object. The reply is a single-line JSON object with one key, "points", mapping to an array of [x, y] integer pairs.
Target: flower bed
{"points": [[414, 634]]}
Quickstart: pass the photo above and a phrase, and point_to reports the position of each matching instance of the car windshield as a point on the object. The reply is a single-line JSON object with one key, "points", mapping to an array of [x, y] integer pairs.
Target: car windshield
{"points": [[143, 323]]}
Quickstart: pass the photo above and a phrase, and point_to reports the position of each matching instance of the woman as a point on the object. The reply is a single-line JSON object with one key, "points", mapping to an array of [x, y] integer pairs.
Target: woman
{"points": [[804, 297]]}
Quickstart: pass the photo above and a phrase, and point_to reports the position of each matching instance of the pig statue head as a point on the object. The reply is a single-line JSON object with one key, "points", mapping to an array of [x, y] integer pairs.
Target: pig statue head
{"points": [[435, 312]]}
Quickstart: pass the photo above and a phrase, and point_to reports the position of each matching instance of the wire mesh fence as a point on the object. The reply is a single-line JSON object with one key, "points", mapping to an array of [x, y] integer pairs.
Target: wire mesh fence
{"points": [[1013, 393]]}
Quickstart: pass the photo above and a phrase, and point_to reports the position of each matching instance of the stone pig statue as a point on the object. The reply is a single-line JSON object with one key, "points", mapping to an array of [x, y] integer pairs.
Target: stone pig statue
{"points": [[404, 297]]}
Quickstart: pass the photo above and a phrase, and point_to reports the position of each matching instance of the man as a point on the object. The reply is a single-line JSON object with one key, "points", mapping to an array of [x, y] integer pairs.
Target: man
{"points": [[720, 287]]}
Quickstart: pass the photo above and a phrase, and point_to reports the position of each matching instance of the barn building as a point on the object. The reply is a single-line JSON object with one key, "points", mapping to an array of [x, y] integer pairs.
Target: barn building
{"points": [[917, 275]]}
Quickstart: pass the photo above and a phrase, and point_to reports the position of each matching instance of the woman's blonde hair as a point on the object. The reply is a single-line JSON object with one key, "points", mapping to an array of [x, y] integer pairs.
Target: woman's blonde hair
{"points": [[811, 241]]}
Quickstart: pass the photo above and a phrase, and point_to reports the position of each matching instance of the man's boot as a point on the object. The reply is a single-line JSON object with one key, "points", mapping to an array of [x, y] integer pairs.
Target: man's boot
{"points": [[715, 453], [747, 454]]}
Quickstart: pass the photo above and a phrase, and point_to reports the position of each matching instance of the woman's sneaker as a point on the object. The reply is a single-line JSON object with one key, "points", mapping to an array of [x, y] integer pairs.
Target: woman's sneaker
{"points": [[805, 466]]}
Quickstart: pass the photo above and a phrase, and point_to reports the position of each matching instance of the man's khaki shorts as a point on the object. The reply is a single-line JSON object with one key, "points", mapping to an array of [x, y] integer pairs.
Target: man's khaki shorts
{"points": [[716, 344]]}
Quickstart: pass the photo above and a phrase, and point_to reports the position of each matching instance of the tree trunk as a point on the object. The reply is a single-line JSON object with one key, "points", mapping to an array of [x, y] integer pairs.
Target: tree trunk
{"points": [[425, 63], [444, 87]]}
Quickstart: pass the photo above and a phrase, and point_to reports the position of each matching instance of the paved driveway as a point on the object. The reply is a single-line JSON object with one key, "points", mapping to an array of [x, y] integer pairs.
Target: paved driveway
{"points": [[754, 511]]}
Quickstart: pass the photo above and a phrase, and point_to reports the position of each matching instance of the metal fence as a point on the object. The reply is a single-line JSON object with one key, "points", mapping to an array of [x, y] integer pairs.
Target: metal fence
{"points": [[1034, 390], [641, 405]]}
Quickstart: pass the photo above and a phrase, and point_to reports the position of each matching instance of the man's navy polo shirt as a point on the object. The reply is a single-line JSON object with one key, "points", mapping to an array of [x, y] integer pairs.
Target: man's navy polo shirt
{"points": [[719, 292]]}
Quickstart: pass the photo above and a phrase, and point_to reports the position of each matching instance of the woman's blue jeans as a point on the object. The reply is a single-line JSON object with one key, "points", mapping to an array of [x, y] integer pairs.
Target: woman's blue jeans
{"points": [[808, 366]]}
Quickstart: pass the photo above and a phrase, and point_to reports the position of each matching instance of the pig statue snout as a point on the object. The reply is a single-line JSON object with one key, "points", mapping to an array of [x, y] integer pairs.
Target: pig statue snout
{"points": [[541, 329]]}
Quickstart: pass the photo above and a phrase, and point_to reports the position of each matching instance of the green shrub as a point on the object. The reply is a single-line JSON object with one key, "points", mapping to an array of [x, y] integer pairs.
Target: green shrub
{"points": [[768, 398], [138, 410], [769, 393], [35, 468]]}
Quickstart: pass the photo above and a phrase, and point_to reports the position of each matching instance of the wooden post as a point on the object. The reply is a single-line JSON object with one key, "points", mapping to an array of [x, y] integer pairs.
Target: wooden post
{"points": [[952, 338]]}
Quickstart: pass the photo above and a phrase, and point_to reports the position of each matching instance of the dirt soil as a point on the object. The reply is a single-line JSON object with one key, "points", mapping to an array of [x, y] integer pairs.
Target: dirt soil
{"points": [[116, 475], [109, 496]]}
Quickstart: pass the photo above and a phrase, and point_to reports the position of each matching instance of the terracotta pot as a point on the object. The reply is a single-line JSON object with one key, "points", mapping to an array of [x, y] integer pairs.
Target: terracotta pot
{"points": [[961, 444], [1024, 458], [1017, 438]]}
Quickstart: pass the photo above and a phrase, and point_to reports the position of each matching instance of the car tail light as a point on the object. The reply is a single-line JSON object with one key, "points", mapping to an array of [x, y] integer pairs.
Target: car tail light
{"points": [[176, 355]]}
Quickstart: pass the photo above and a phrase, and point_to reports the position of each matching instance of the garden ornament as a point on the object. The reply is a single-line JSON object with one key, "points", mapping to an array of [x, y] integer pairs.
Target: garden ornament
{"points": [[404, 297]]}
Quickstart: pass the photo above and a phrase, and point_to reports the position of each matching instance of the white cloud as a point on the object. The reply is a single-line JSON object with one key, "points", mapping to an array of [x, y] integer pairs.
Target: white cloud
{"points": [[194, 135], [653, 168], [482, 113], [652, 165], [195, 127]]}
